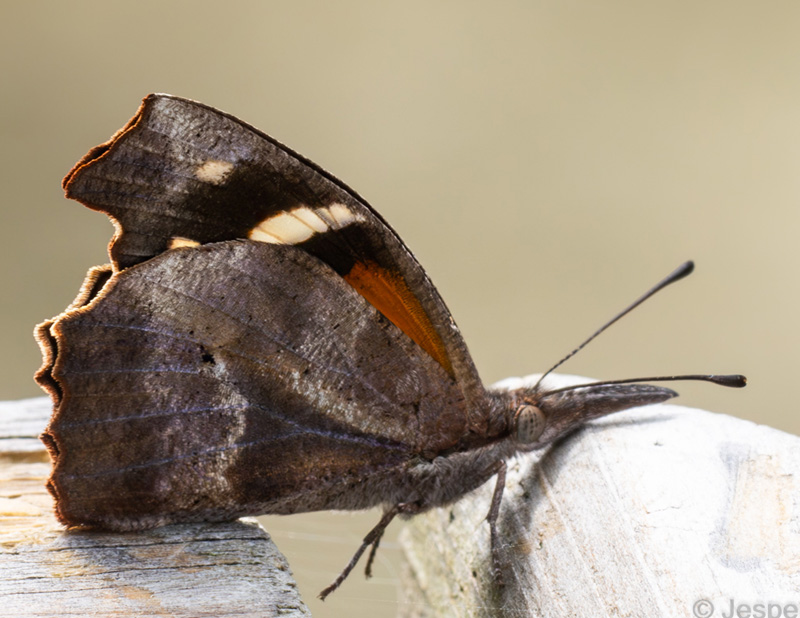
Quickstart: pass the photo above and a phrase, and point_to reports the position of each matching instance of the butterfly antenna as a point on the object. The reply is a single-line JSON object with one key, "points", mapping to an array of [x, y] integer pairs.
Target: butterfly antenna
{"points": [[731, 381], [679, 273]]}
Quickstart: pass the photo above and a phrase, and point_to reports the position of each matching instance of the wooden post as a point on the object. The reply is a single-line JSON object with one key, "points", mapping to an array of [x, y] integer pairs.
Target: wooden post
{"points": [[230, 569]]}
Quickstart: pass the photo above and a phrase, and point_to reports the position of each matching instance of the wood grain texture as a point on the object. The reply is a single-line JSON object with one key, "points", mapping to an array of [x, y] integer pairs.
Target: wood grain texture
{"points": [[643, 513], [185, 570]]}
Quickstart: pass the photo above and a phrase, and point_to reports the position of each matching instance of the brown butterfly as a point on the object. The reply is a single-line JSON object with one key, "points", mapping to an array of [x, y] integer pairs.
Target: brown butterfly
{"points": [[264, 342]]}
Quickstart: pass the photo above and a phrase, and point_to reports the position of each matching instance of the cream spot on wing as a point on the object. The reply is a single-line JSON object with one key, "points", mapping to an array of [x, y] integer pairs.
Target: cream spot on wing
{"points": [[283, 229], [301, 223], [311, 219], [176, 242], [325, 215], [261, 236], [342, 215], [213, 171]]}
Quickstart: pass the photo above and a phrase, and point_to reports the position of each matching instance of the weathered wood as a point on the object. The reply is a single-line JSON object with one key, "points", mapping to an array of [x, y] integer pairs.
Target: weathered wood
{"points": [[644, 513], [230, 569]]}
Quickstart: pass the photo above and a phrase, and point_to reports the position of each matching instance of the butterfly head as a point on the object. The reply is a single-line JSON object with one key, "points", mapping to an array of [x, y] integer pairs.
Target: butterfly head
{"points": [[539, 417]]}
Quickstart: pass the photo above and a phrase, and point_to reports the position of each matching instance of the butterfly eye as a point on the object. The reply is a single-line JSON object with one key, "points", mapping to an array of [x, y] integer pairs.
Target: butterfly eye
{"points": [[529, 423]]}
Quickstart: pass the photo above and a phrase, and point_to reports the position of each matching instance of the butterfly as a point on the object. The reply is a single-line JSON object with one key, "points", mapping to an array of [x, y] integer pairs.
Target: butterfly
{"points": [[264, 342]]}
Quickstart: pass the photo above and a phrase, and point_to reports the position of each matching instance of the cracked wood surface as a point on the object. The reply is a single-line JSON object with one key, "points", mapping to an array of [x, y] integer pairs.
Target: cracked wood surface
{"points": [[230, 569], [644, 513]]}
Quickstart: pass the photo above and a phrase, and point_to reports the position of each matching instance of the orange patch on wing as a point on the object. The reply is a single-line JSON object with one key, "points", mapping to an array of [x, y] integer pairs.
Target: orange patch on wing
{"points": [[389, 294]]}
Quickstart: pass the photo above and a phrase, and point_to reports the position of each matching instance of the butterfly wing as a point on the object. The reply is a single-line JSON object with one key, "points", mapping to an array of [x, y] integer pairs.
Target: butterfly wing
{"points": [[181, 173], [272, 386]]}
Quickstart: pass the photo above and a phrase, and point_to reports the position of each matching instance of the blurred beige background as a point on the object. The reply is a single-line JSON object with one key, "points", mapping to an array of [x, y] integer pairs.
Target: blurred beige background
{"points": [[546, 161]]}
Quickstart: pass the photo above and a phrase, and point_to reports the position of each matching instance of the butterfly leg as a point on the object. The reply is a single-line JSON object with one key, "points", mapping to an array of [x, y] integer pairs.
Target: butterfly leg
{"points": [[498, 468], [372, 552], [373, 538]]}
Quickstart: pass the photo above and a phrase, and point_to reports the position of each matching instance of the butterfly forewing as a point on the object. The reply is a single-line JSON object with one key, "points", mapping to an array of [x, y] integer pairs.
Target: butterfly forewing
{"points": [[181, 173]]}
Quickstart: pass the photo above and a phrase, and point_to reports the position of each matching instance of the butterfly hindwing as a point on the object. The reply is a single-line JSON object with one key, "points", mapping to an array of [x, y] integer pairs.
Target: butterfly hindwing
{"points": [[268, 397]]}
